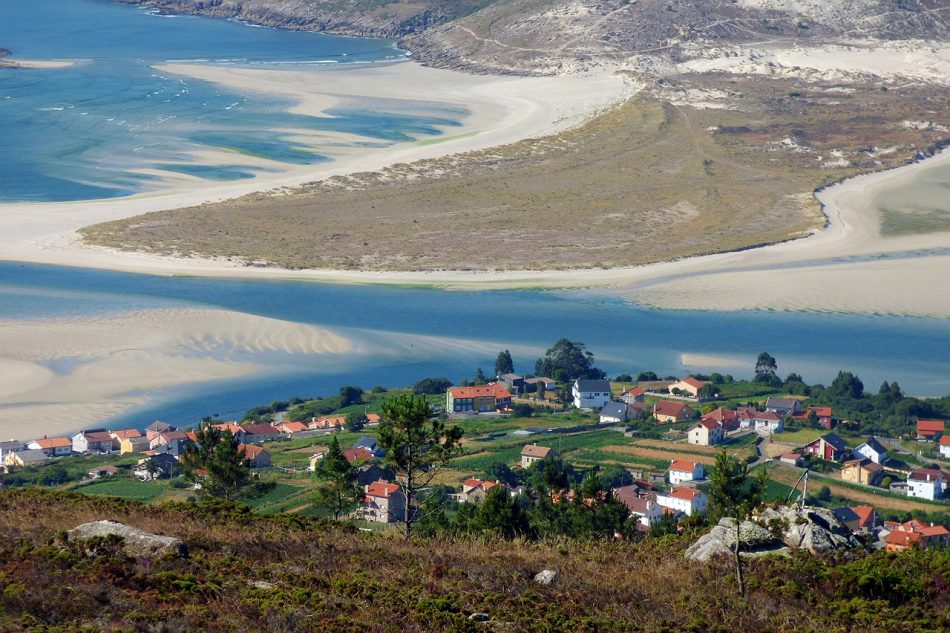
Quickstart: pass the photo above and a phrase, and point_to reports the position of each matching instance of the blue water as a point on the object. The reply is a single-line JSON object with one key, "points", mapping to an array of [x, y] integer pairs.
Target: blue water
{"points": [[915, 352], [87, 131]]}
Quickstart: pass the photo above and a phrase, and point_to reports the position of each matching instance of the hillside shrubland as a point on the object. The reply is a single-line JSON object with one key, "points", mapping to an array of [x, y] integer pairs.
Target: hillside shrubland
{"points": [[287, 573]]}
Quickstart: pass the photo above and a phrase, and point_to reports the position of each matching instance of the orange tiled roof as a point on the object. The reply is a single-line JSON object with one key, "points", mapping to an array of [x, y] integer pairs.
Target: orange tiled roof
{"points": [[687, 494], [480, 391], [681, 465], [54, 442], [533, 450], [382, 489], [930, 426]]}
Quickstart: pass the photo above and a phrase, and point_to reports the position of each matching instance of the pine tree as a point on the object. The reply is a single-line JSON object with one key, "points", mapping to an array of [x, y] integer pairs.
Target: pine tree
{"points": [[418, 446], [216, 462], [733, 494], [338, 490], [504, 364]]}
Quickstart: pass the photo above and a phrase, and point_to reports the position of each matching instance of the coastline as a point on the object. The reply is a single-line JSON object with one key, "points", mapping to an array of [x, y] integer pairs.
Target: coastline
{"points": [[856, 269]]}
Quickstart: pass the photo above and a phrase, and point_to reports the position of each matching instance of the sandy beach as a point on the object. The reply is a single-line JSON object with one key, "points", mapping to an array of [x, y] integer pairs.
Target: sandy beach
{"points": [[113, 360], [847, 267]]}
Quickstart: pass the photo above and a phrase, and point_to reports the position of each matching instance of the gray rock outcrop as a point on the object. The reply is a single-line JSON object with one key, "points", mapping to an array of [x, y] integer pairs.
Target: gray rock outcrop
{"points": [[815, 530], [545, 577], [135, 542]]}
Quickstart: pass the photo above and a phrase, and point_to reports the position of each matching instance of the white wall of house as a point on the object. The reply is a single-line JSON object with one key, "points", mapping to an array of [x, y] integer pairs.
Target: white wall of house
{"points": [[870, 453], [679, 476], [925, 489], [686, 506], [589, 399], [945, 450]]}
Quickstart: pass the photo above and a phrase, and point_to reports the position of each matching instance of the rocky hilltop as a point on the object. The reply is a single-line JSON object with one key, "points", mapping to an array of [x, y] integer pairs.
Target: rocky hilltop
{"points": [[551, 36]]}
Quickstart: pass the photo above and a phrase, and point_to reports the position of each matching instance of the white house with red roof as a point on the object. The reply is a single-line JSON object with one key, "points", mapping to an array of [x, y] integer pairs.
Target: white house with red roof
{"points": [[706, 432], [688, 385], [634, 394], [926, 483], [685, 500], [930, 429], [768, 422], [384, 502], [944, 446], [682, 470], [53, 446], [475, 489]]}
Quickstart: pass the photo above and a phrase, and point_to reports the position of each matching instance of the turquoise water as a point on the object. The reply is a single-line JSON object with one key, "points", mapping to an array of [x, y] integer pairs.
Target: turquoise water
{"points": [[85, 131], [915, 352]]}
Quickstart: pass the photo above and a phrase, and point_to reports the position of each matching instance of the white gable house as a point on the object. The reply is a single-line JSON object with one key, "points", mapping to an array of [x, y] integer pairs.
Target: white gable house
{"points": [[590, 394]]}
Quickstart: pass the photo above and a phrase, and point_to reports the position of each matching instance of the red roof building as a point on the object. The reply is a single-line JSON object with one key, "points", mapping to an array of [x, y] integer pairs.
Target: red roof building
{"points": [[915, 533], [478, 399], [929, 429]]}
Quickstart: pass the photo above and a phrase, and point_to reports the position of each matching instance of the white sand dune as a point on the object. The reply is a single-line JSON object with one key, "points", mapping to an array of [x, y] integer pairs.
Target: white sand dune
{"points": [[114, 361]]}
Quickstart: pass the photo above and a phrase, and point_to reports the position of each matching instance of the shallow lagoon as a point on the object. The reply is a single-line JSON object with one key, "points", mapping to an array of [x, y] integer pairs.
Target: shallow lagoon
{"points": [[87, 131], [409, 333]]}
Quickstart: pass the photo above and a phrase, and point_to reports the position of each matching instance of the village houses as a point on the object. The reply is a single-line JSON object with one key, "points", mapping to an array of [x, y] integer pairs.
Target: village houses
{"points": [[857, 518], [783, 406], [944, 446], [255, 456], [642, 505], [615, 413], [53, 446], [726, 418], [914, 534], [475, 490]]}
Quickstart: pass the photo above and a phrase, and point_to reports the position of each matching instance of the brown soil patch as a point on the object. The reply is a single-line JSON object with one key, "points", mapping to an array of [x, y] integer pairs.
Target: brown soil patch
{"points": [[789, 477], [658, 454]]}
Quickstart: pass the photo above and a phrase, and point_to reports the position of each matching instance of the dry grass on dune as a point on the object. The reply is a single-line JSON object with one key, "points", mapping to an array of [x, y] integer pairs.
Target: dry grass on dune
{"points": [[649, 181]]}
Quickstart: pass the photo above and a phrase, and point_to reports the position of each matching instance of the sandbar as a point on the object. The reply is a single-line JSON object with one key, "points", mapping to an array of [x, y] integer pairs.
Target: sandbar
{"points": [[71, 372]]}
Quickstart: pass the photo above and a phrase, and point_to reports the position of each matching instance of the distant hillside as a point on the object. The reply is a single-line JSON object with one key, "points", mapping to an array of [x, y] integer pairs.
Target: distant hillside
{"points": [[290, 574], [545, 36], [528, 36], [367, 18]]}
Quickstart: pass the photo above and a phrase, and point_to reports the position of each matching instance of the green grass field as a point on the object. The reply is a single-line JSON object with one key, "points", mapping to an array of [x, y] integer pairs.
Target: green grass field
{"points": [[134, 490]]}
